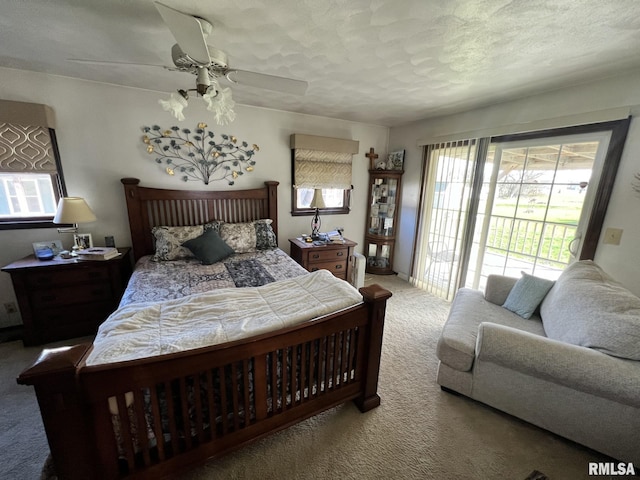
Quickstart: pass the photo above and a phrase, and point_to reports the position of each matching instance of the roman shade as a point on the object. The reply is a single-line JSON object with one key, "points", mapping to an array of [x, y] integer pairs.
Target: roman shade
{"points": [[322, 162], [25, 138]]}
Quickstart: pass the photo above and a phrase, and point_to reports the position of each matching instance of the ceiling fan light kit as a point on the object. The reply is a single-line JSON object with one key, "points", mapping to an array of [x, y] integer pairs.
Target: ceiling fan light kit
{"points": [[192, 54]]}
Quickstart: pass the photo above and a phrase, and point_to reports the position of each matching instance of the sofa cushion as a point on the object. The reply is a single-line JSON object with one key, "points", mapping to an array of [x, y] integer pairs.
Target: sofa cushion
{"points": [[457, 343], [526, 294], [587, 307]]}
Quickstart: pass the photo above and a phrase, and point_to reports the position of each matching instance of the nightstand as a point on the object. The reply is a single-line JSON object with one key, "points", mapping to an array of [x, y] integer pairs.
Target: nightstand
{"points": [[332, 256], [60, 299]]}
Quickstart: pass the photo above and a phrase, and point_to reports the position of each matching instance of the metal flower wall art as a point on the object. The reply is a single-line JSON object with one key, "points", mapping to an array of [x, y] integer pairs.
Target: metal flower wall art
{"points": [[199, 154]]}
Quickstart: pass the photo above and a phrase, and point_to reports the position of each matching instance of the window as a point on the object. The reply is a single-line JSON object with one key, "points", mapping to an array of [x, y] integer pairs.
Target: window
{"points": [[30, 171], [321, 163], [336, 200]]}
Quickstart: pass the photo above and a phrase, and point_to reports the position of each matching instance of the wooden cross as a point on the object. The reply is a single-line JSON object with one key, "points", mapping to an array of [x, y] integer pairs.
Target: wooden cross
{"points": [[372, 157]]}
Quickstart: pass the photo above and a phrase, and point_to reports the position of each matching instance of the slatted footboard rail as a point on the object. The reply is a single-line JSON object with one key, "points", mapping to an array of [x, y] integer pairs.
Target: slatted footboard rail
{"points": [[150, 417]]}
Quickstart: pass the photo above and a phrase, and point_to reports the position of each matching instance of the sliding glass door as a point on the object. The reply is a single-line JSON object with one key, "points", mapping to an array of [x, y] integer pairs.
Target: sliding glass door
{"points": [[530, 202], [538, 204]]}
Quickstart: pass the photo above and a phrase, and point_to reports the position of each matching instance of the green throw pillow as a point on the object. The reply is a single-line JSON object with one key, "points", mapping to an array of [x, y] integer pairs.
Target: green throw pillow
{"points": [[209, 247], [526, 294]]}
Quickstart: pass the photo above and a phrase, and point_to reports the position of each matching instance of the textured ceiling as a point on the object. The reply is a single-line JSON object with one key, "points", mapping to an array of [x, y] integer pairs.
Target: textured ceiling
{"points": [[382, 62]]}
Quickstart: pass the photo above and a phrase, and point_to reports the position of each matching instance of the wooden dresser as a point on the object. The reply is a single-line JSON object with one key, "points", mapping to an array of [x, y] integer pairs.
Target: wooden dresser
{"points": [[333, 256], [61, 299]]}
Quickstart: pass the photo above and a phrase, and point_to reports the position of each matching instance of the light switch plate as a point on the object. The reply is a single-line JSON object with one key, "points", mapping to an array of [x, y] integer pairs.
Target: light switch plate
{"points": [[612, 236]]}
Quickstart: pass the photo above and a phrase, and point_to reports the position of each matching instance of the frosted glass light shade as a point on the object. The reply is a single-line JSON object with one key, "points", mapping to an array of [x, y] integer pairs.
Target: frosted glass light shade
{"points": [[73, 210]]}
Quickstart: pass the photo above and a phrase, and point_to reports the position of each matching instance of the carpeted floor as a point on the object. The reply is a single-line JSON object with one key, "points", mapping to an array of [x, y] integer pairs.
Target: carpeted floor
{"points": [[418, 432]]}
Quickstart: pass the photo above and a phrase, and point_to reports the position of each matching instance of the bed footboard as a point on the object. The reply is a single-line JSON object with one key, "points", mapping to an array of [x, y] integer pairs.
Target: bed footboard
{"points": [[152, 417]]}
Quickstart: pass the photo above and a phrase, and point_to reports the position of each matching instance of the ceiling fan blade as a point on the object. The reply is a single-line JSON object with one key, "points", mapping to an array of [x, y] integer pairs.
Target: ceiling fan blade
{"points": [[188, 32], [107, 62], [268, 82]]}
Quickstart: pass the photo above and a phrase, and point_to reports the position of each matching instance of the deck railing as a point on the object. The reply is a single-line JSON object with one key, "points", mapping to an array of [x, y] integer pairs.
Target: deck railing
{"points": [[530, 239]]}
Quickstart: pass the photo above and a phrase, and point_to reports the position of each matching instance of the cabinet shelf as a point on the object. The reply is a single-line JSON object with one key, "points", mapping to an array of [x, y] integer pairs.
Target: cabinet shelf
{"points": [[383, 209]]}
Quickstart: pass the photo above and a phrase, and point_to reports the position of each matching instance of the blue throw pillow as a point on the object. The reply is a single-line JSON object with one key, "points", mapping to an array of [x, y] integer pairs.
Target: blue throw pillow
{"points": [[526, 294], [209, 247]]}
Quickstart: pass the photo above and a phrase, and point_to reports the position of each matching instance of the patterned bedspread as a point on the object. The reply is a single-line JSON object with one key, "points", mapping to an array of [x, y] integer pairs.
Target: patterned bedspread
{"points": [[157, 281]]}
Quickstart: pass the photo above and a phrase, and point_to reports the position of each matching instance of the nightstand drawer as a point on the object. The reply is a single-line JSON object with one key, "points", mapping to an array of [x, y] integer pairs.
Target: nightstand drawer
{"points": [[335, 267], [71, 295], [58, 278], [321, 255], [90, 314]]}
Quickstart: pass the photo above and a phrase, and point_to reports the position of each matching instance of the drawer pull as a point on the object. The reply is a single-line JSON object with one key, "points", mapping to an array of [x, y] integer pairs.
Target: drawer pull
{"points": [[314, 269], [315, 255], [339, 254], [338, 267]]}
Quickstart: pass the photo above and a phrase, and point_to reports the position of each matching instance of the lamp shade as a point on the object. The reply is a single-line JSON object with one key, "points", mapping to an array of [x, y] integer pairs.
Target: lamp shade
{"points": [[317, 201], [73, 210]]}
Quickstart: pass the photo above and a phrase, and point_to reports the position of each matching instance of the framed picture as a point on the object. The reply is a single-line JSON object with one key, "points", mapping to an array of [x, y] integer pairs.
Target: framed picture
{"points": [[54, 245], [83, 240], [395, 160]]}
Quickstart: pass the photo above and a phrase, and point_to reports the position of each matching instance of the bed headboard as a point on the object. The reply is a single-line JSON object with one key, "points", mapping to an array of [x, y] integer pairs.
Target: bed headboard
{"points": [[151, 207]]}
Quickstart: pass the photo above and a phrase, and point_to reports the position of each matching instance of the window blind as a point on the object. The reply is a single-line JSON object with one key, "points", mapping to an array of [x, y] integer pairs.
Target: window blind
{"points": [[25, 139], [322, 162]]}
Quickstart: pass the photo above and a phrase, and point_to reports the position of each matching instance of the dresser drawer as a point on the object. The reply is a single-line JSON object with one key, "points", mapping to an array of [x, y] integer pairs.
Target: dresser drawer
{"points": [[58, 278], [71, 295], [320, 255], [336, 267]]}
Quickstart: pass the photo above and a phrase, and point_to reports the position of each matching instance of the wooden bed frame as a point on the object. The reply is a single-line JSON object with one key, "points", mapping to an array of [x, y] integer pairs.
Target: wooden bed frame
{"points": [[284, 376]]}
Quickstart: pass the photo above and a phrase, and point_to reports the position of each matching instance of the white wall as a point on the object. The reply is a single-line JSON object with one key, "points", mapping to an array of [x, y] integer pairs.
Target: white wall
{"points": [[99, 134], [623, 261]]}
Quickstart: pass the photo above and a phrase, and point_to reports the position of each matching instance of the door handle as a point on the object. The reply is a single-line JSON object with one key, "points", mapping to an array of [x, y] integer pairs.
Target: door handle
{"points": [[573, 245]]}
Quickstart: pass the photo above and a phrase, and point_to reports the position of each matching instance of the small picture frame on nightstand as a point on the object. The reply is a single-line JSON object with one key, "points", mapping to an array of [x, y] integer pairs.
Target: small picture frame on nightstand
{"points": [[83, 240]]}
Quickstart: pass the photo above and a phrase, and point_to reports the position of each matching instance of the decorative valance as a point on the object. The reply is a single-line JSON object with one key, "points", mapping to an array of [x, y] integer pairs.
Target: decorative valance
{"points": [[322, 162], [23, 113], [25, 141]]}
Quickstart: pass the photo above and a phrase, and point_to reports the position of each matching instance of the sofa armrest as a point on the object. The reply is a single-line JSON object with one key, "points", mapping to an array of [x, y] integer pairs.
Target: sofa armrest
{"points": [[498, 288], [575, 367]]}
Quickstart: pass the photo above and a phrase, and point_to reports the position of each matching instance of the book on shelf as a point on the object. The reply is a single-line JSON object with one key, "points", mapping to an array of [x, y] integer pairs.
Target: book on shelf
{"points": [[98, 253]]}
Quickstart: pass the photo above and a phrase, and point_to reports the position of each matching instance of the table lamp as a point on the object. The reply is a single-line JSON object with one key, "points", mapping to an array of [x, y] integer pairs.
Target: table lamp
{"points": [[317, 202]]}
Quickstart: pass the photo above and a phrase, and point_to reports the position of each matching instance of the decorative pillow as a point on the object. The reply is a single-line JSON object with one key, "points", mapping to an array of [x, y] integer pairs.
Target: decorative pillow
{"points": [[213, 225], [239, 236], [526, 294], [265, 236], [248, 237], [169, 241], [209, 247], [587, 307]]}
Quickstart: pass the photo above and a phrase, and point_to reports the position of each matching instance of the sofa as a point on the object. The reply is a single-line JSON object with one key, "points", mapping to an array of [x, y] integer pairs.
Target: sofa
{"points": [[569, 364]]}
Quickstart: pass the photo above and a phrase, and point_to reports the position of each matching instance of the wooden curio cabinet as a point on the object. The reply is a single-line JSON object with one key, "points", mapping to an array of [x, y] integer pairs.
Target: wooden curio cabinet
{"points": [[380, 236]]}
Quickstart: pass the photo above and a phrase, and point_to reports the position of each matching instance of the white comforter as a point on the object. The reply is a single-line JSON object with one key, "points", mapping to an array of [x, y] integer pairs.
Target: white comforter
{"points": [[144, 329]]}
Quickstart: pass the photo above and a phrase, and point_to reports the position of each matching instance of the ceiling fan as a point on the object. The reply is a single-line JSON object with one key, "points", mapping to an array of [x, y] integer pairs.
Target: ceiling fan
{"points": [[192, 54]]}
